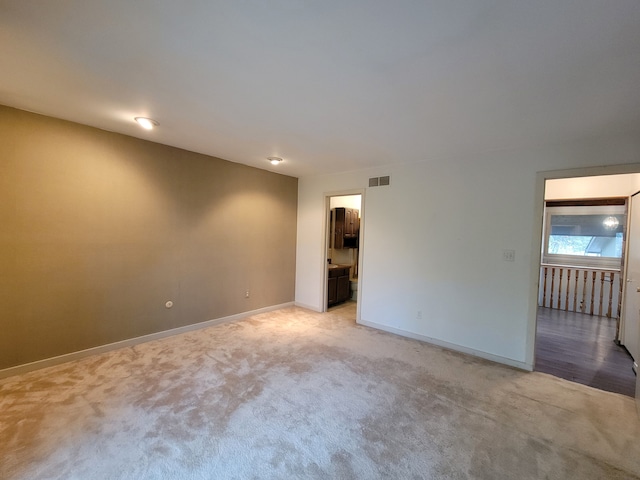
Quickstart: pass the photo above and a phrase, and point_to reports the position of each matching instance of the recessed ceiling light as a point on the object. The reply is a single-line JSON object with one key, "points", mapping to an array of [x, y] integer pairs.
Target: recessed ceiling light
{"points": [[146, 123], [274, 160]]}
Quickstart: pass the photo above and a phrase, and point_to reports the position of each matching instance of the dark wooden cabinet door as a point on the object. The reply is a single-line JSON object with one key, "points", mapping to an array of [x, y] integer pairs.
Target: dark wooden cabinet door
{"points": [[332, 291], [355, 222], [348, 222], [346, 227], [338, 284], [343, 288], [339, 222]]}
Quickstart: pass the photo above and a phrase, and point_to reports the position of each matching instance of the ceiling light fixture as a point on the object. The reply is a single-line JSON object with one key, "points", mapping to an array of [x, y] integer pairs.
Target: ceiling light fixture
{"points": [[611, 223], [274, 160], [146, 123]]}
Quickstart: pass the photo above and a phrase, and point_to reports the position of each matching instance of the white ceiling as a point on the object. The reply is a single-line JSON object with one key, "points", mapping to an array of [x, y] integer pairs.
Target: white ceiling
{"points": [[329, 85]]}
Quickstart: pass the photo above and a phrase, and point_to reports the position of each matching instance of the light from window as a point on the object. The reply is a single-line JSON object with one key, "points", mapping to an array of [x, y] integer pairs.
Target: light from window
{"points": [[586, 246], [584, 235]]}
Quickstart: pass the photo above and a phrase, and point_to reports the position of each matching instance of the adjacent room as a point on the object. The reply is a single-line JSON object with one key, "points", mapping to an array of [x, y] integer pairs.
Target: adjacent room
{"points": [[585, 278], [319, 239]]}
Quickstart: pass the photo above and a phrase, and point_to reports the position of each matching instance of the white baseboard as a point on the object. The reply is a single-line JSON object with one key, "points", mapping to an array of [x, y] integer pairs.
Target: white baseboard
{"points": [[308, 307], [450, 346], [68, 357]]}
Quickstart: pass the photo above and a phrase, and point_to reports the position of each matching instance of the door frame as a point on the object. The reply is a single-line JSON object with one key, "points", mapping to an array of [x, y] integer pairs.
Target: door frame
{"points": [[622, 334], [325, 244], [536, 239]]}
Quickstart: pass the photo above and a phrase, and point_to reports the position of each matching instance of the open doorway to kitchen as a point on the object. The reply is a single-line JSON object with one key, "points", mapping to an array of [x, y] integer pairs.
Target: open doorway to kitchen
{"points": [[343, 251], [582, 281]]}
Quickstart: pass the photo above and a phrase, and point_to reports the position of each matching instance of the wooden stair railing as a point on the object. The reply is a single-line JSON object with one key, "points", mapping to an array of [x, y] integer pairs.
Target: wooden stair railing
{"points": [[591, 289]]}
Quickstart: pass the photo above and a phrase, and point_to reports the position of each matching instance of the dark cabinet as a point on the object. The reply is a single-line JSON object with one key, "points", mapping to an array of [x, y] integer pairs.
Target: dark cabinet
{"points": [[338, 284], [343, 288], [346, 227], [332, 292]]}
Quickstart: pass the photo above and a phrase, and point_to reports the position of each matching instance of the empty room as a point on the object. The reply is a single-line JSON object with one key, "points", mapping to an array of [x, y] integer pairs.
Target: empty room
{"points": [[296, 239]]}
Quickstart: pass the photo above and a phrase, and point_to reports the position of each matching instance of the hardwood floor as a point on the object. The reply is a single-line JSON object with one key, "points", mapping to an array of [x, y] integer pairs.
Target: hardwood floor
{"points": [[580, 348]]}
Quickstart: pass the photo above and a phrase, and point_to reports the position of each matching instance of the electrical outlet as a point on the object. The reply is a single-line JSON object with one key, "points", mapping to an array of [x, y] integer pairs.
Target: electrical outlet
{"points": [[509, 255], [419, 315], [246, 294]]}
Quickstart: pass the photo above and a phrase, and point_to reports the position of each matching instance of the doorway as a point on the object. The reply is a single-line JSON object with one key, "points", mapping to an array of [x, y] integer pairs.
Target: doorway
{"points": [[581, 283], [343, 248]]}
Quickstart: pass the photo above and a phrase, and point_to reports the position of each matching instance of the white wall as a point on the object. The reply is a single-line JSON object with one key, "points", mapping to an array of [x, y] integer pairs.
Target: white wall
{"points": [[346, 201], [448, 223], [592, 187]]}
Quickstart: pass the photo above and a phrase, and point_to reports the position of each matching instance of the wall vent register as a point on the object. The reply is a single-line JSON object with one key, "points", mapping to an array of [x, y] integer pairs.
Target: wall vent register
{"points": [[379, 181]]}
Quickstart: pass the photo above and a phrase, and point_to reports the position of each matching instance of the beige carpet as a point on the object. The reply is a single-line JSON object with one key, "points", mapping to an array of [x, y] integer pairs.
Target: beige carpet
{"points": [[296, 394]]}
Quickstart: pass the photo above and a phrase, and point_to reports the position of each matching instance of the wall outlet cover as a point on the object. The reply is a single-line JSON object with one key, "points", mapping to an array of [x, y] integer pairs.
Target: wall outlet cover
{"points": [[509, 255]]}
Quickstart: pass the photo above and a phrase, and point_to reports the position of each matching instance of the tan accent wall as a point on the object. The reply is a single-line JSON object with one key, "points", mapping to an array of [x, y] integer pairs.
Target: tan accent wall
{"points": [[98, 230]]}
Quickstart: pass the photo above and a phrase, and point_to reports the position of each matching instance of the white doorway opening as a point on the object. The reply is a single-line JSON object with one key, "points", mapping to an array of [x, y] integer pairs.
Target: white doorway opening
{"points": [[343, 247], [581, 186]]}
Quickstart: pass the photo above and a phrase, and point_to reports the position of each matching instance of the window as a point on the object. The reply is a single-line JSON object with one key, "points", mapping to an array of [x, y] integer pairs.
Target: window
{"points": [[584, 235]]}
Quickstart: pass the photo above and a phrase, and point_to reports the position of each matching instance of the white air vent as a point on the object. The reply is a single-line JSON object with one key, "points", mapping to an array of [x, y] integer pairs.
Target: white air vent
{"points": [[373, 182]]}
